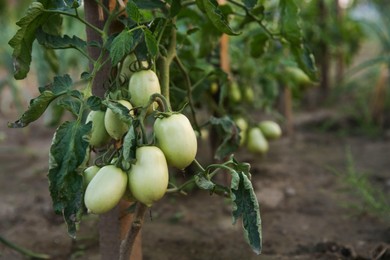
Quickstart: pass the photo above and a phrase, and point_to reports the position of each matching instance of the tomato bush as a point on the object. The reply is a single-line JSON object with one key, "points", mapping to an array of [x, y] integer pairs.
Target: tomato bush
{"points": [[148, 53]]}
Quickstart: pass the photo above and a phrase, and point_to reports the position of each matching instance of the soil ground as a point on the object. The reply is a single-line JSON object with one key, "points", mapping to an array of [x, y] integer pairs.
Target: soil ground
{"points": [[305, 208]]}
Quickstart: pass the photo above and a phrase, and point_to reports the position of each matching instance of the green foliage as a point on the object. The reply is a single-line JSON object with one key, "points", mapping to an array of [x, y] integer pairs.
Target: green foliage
{"points": [[227, 129], [23, 39], [60, 87], [244, 200], [246, 206], [67, 154]]}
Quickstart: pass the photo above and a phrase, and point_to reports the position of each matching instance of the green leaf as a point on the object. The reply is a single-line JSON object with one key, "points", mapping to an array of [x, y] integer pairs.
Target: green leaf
{"points": [[24, 38], [216, 16], [245, 206], [67, 153], [130, 144], [94, 103], [120, 110], [289, 18], [175, 8], [151, 43], [250, 3], [133, 12], [258, 44], [58, 42], [149, 4], [202, 182], [62, 84], [36, 109], [227, 129], [200, 5], [70, 104], [38, 105], [121, 46], [305, 60]]}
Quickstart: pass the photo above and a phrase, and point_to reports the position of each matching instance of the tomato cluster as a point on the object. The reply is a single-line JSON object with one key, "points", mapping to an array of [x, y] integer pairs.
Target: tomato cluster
{"points": [[145, 178], [256, 137]]}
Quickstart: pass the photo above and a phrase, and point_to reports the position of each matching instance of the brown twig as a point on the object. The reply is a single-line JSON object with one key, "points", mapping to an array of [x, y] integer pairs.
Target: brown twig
{"points": [[127, 244]]}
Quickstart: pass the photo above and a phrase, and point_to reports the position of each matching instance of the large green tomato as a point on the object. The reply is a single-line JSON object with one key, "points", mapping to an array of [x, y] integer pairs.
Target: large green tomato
{"points": [[256, 141], [105, 189], [176, 139], [99, 135], [148, 177], [271, 130], [142, 85], [115, 127]]}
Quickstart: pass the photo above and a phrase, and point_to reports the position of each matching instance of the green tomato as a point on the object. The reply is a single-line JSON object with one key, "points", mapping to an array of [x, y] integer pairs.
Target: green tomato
{"points": [[243, 125], [115, 127], [89, 173], [148, 177], [298, 76], [249, 95], [256, 141], [125, 72], [234, 92], [176, 139], [99, 136], [142, 85], [105, 189], [271, 130]]}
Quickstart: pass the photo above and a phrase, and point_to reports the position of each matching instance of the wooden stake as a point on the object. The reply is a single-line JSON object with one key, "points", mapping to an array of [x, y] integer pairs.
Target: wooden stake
{"points": [[112, 227]]}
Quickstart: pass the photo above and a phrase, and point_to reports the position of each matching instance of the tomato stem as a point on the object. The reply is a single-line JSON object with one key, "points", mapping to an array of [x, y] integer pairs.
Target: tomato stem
{"points": [[189, 90]]}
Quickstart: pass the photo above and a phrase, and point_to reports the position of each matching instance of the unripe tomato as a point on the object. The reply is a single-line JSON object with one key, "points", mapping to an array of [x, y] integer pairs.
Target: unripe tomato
{"points": [[234, 92], [176, 139], [249, 95], [105, 190], [115, 127], [271, 130], [214, 88], [148, 177], [298, 75], [256, 141], [243, 125], [99, 135], [125, 71], [89, 173], [142, 85]]}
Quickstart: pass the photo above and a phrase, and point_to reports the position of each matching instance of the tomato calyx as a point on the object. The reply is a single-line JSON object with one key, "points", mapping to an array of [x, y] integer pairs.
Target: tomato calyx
{"points": [[138, 65]]}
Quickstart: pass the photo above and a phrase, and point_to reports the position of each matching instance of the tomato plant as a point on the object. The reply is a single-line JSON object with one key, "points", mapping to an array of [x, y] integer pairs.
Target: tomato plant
{"points": [[144, 53]]}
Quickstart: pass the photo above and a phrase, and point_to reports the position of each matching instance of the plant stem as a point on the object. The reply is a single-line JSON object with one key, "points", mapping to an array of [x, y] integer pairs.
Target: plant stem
{"points": [[164, 65], [199, 165], [22, 250], [189, 90], [78, 18], [259, 21], [127, 244]]}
